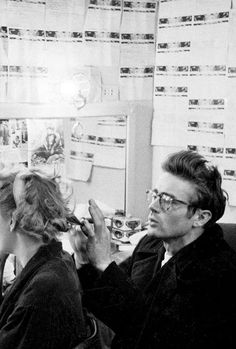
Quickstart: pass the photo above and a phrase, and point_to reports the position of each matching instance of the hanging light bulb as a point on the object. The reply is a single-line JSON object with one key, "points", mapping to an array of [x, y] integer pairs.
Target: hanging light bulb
{"points": [[76, 89]]}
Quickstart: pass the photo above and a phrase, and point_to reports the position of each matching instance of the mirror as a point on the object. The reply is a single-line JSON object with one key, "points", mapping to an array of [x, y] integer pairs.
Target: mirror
{"points": [[89, 151], [95, 160]]}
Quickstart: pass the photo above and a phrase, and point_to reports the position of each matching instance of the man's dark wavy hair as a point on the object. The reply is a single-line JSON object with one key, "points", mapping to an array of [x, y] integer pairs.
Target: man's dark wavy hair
{"points": [[193, 167]]}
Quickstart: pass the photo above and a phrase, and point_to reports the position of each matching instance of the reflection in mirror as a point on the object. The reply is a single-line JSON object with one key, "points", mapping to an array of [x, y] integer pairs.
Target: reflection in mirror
{"points": [[95, 161]]}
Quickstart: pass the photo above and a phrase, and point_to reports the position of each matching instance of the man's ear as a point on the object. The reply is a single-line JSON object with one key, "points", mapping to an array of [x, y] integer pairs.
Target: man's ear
{"points": [[201, 217]]}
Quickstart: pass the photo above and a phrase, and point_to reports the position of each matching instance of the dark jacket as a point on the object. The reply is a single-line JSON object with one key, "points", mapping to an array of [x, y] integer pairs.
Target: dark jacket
{"points": [[189, 303], [42, 309]]}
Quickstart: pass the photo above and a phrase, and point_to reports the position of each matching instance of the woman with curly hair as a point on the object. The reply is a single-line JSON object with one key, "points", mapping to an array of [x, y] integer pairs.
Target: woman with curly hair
{"points": [[42, 308]]}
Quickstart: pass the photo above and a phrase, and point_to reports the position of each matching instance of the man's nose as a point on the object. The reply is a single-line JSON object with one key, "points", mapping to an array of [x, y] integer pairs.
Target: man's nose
{"points": [[155, 205]]}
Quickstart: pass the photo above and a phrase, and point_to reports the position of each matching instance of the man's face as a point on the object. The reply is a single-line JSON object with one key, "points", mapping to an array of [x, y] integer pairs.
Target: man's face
{"points": [[175, 222]]}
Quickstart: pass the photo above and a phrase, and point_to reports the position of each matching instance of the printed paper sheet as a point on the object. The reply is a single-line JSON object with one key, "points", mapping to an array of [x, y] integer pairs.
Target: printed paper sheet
{"points": [[98, 141], [14, 141], [46, 145]]}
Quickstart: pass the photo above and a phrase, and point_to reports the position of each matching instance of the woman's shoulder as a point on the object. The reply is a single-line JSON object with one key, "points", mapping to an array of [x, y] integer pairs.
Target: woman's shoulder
{"points": [[55, 279], [58, 271]]}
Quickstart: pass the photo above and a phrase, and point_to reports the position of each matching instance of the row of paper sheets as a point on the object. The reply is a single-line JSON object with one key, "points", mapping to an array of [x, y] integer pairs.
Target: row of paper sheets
{"points": [[38, 46], [40, 143], [40, 84], [56, 37], [108, 33], [104, 15]]}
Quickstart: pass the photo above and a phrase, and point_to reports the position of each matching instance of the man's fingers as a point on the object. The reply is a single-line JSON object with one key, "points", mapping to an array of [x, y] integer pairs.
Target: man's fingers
{"points": [[78, 240], [87, 229], [95, 211], [76, 232]]}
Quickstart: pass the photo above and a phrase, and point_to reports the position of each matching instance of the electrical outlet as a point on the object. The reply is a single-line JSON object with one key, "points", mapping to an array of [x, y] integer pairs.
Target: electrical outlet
{"points": [[110, 93]]}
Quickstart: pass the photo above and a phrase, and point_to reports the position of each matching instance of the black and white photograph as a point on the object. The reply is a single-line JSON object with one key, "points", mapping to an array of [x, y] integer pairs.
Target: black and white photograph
{"points": [[117, 174]]}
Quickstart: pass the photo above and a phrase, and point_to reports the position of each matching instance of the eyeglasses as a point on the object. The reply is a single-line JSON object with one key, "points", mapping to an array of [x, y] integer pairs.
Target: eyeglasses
{"points": [[166, 201]]}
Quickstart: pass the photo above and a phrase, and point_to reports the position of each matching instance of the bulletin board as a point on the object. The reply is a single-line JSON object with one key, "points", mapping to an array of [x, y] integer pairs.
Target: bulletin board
{"points": [[195, 82]]}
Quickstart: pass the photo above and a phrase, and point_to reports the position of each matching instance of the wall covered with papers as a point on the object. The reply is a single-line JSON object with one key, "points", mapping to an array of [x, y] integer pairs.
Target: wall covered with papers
{"points": [[44, 42], [195, 82], [179, 55]]}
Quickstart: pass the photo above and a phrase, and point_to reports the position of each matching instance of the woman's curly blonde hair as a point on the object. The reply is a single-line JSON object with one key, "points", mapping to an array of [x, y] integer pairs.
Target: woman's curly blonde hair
{"points": [[41, 212]]}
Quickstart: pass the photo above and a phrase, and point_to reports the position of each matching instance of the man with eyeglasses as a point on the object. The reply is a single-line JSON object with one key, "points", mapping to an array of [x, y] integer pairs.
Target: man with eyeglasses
{"points": [[178, 289]]}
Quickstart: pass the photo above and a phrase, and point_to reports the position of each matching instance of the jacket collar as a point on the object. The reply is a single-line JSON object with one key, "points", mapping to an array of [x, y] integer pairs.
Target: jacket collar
{"points": [[208, 240]]}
